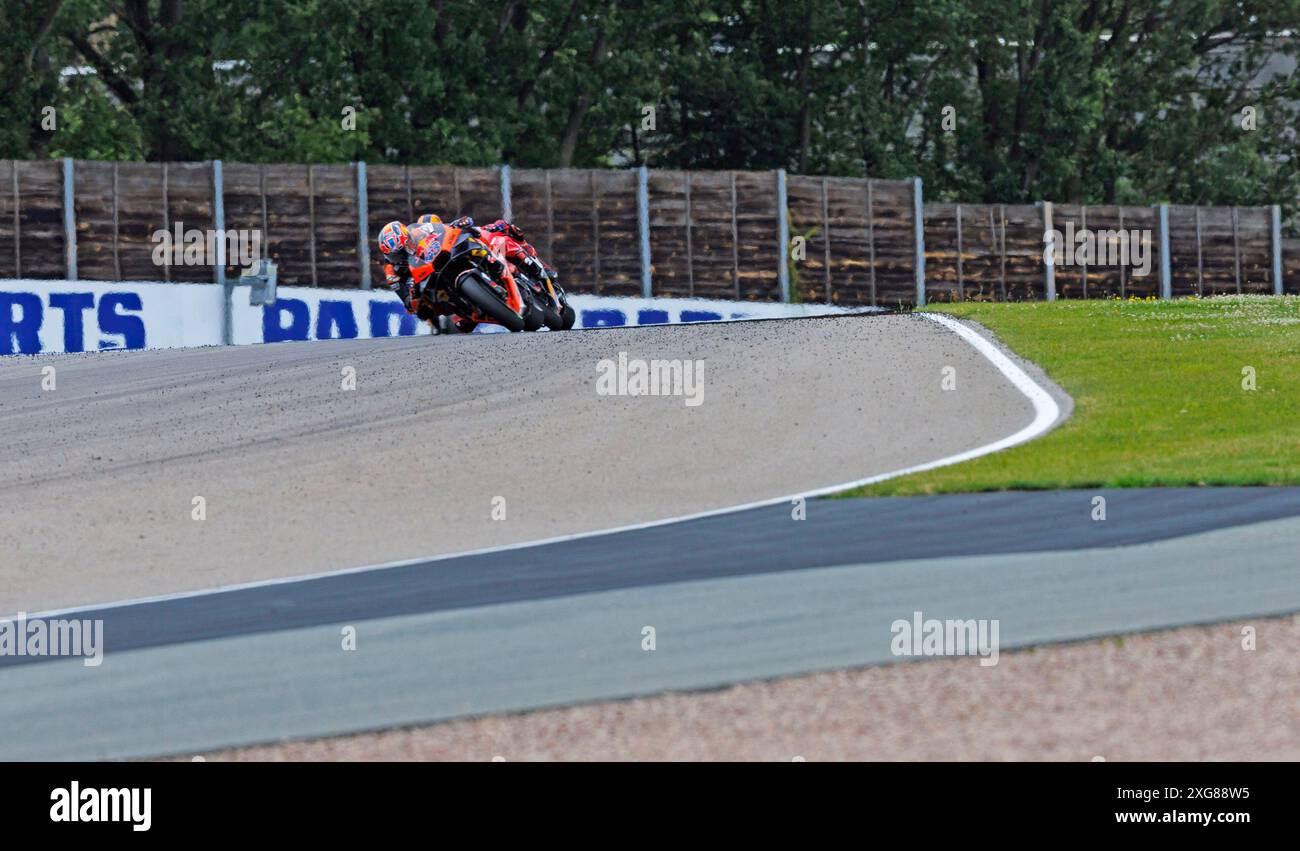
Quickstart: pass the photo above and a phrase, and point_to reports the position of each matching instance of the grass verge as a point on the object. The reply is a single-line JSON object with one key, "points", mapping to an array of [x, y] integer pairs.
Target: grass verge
{"points": [[1161, 390]]}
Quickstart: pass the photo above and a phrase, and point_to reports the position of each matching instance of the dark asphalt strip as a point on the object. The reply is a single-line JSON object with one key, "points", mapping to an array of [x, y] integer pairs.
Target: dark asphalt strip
{"points": [[757, 541], [418, 669]]}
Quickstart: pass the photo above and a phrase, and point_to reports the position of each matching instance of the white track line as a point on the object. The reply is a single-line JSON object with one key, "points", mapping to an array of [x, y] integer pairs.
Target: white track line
{"points": [[1046, 412]]}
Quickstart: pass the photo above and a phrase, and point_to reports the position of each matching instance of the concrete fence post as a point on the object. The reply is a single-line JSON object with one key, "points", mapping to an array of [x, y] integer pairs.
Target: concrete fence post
{"points": [[363, 224], [918, 232], [219, 273], [117, 229], [961, 280], [1049, 252], [690, 247], [311, 218], [506, 212], [166, 212], [1277, 248], [1236, 247], [69, 218], [219, 220], [1166, 275], [735, 240], [643, 227], [871, 240], [18, 227], [782, 236], [595, 230], [826, 239]]}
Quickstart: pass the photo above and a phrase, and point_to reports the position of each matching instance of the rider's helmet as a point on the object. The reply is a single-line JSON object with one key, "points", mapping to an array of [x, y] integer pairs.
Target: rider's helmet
{"points": [[428, 219], [394, 236], [502, 226]]}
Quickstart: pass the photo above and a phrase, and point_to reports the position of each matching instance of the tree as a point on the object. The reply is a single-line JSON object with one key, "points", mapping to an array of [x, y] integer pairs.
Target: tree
{"points": [[30, 76], [997, 100]]}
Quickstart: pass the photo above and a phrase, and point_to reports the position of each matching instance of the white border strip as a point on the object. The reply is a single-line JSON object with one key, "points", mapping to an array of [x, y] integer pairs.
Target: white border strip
{"points": [[1046, 413]]}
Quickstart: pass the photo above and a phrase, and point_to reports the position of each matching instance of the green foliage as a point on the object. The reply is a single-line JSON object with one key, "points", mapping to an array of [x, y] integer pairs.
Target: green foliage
{"points": [[995, 100]]}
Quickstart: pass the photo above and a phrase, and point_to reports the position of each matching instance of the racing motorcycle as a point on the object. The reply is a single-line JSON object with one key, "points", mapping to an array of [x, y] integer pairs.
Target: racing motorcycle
{"points": [[459, 281], [541, 283], [557, 313]]}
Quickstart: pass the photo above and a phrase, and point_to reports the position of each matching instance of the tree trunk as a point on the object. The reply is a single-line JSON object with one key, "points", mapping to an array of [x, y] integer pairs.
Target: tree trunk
{"points": [[578, 111], [570, 143], [805, 108]]}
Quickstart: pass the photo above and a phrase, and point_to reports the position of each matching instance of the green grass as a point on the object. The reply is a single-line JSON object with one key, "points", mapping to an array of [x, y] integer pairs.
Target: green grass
{"points": [[1158, 392]]}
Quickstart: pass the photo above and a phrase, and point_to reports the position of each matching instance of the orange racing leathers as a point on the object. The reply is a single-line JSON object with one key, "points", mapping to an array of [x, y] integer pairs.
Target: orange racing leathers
{"points": [[408, 269]]}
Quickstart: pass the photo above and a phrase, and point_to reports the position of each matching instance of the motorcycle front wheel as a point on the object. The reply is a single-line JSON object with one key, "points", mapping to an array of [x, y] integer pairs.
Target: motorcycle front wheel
{"points": [[486, 302], [534, 316], [553, 319]]}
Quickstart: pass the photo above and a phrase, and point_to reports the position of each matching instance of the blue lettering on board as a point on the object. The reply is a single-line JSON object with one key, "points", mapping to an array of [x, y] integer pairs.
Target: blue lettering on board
{"points": [[273, 328], [131, 328], [381, 314], [73, 306], [335, 314], [21, 334], [700, 316], [603, 318]]}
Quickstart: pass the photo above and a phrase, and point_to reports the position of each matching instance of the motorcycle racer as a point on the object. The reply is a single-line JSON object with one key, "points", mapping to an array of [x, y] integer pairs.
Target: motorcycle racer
{"points": [[518, 250], [508, 240], [409, 254], [397, 248]]}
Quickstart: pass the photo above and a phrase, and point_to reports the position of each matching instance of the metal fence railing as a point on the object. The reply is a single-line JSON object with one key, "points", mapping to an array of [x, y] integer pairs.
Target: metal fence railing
{"points": [[733, 234]]}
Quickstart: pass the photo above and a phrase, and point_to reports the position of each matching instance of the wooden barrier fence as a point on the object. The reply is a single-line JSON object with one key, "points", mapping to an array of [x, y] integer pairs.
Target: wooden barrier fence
{"points": [[849, 241]]}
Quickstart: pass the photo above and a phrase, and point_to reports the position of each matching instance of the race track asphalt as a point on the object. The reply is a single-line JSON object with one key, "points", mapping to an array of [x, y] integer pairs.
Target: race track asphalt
{"points": [[155, 472], [737, 597], [247, 642]]}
